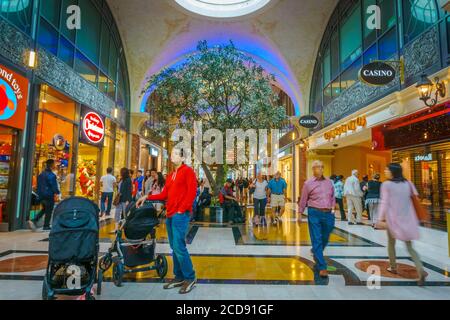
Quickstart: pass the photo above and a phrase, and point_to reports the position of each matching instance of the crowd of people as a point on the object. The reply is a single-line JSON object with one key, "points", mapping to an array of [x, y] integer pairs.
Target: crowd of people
{"points": [[388, 206]]}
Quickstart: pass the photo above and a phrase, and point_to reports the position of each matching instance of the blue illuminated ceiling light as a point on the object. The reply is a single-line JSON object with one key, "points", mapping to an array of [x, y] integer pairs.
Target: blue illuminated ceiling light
{"points": [[223, 8]]}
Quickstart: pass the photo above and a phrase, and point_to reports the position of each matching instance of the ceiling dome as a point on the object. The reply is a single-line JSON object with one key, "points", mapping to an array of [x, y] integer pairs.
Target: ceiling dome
{"points": [[222, 8]]}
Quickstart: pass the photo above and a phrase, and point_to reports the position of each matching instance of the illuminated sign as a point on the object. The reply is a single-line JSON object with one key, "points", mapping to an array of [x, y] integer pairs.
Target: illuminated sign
{"points": [[92, 127], [154, 152], [13, 98], [352, 125], [377, 73], [423, 157], [309, 121]]}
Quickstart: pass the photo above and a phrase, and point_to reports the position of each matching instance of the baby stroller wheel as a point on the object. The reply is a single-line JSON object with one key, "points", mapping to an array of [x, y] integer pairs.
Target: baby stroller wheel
{"points": [[45, 295], [161, 266], [89, 296], [99, 282], [118, 271], [105, 262]]}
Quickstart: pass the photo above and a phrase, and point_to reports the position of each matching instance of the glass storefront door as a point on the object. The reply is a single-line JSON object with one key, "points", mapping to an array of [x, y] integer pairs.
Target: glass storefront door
{"points": [[7, 157], [428, 167], [88, 171]]}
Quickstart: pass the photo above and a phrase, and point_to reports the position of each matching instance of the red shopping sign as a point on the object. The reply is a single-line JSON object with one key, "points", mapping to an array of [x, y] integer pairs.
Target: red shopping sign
{"points": [[93, 127]]}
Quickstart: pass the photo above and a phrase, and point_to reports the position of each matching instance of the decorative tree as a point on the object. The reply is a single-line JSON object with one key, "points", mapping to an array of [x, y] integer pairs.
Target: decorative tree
{"points": [[220, 86]]}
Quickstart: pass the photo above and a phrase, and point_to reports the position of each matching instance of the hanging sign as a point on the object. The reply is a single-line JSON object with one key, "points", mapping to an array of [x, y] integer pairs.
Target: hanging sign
{"points": [[13, 98], [92, 127], [377, 73], [309, 121]]}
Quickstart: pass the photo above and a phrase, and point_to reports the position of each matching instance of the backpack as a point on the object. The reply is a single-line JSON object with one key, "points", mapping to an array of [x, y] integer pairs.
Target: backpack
{"points": [[221, 198]]}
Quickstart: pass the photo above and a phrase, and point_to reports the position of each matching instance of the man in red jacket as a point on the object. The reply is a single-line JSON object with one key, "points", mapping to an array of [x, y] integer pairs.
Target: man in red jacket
{"points": [[179, 193]]}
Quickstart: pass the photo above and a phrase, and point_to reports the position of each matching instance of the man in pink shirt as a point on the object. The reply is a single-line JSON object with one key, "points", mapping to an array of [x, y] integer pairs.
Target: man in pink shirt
{"points": [[318, 196]]}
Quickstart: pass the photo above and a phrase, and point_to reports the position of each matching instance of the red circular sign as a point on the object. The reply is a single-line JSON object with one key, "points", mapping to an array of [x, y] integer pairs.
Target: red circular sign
{"points": [[93, 127]]}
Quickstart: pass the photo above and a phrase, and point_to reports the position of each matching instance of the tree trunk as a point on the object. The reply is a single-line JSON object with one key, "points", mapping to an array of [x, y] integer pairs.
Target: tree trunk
{"points": [[217, 183]]}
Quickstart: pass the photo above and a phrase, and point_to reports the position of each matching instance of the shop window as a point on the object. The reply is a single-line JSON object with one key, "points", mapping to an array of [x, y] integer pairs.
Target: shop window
{"points": [[48, 37], [85, 68], [111, 89], [87, 171], [50, 9], [7, 147], [327, 95], [55, 102], [387, 46], [66, 51], [350, 40], [88, 37], [18, 12], [336, 88], [120, 160], [55, 137], [418, 15]]}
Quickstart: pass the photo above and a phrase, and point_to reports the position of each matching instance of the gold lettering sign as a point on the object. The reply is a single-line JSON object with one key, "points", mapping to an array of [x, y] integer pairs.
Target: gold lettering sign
{"points": [[344, 128]]}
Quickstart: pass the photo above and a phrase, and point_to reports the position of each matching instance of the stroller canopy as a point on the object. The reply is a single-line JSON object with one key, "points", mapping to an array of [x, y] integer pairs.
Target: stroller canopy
{"points": [[75, 229], [140, 221]]}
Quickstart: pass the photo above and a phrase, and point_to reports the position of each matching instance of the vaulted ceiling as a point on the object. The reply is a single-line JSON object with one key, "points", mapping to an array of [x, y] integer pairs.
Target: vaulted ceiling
{"points": [[283, 36]]}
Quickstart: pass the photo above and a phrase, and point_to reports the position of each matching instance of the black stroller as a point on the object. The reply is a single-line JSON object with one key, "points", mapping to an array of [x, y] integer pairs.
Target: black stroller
{"points": [[135, 253], [73, 249]]}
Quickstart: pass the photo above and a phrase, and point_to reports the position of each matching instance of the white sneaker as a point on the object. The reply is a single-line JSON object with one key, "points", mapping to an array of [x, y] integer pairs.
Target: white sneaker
{"points": [[32, 225]]}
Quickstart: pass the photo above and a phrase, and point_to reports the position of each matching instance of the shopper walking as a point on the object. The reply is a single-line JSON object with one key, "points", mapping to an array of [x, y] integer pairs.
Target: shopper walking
{"points": [[364, 186], [230, 203], [339, 195], [203, 199], [318, 196], [148, 182], [398, 211], [124, 197], [373, 198], [140, 184], [179, 193], [354, 195], [276, 190], [47, 190], [108, 183], [260, 194]]}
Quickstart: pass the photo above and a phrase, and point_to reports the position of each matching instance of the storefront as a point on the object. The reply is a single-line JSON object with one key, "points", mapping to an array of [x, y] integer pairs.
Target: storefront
{"points": [[285, 166], [121, 151], [13, 106], [421, 143], [150, 156], [90, 150]]}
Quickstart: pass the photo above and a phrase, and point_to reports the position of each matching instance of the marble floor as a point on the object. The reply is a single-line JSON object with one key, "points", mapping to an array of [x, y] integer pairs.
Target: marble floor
{"points": [[243, 262]]}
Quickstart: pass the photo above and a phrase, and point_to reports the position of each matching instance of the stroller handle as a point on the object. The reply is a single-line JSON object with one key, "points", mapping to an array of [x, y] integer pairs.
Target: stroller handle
{"points": [[155, 201]]}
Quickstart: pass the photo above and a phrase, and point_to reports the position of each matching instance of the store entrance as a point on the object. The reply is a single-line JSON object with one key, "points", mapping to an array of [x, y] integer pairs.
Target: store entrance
{"points": [[87, 171], [7, 169]]}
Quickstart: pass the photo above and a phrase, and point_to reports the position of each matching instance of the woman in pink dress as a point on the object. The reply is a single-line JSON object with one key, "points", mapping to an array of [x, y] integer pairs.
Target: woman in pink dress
{"points": [[398, 212]]}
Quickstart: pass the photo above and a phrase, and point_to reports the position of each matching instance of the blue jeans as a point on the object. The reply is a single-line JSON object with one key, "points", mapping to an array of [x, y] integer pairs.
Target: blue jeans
{"points": [[177, 227], [106, 196], [320, 226], [260, 206]]}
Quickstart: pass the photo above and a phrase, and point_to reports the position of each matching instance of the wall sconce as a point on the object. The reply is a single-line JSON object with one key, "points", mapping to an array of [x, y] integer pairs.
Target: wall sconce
{"points": [[302, 144], [31, 59], [116, 113], [425, 87], [164, 144]]}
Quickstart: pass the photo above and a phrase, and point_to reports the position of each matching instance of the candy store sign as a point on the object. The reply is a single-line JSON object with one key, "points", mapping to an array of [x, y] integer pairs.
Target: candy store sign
{"points": [[352, 125], [93, 127]]}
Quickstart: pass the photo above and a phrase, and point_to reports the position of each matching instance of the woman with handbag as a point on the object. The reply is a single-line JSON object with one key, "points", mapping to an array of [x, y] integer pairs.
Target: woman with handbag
{"points": [[123, 197], [399, 216]]}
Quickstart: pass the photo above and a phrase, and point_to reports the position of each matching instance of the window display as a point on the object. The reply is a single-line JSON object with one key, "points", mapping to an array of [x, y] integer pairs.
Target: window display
{"points": [[6, 158], [87, 184], [54, 138]]}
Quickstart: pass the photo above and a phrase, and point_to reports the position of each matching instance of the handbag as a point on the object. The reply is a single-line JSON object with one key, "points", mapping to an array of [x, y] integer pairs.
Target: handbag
{"points": [[116, 200], [421, 211]]}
